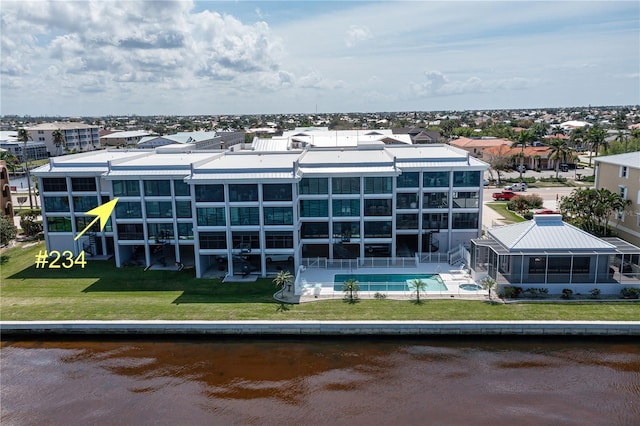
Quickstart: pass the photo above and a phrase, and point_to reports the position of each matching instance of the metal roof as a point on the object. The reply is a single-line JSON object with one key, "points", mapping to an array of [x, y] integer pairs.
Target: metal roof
{"points": [[252, 176], [342, 171], [629, 159]]}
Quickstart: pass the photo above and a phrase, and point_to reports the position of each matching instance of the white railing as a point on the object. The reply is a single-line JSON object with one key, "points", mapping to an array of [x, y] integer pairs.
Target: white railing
{"points": [[361, 262], [434, 258]]}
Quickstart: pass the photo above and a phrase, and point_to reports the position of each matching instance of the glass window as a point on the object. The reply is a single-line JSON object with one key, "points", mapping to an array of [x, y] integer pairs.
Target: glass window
{"points": [[435, 179], [463, 200], [210, 193], [243, 192], [84, 221], [407, 221], [154, 188], [56, 204], [277, 240], [465, 220], [345, 185], [84, 204], [435, 221], [211, 216], [276, 192], [130, 231], [407, 201], [245, 215], [346, 230], [183, 208], [181, 188], [245, 240], [377, 185], [313, 186], [83, 184], [377, 207], [54, 184], [377, 229], [128, 210], [346, 207], [159, 209], [213, 240], [59, 224], [185, 231], [314, 230], [408, 180], [278, 216], [160, 231], [466, 178], [314, 208], [435, 200], [126, 188]]}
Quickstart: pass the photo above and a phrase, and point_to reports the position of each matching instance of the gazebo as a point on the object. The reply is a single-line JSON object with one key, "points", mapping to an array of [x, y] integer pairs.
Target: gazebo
{"points": [[547, 252]]}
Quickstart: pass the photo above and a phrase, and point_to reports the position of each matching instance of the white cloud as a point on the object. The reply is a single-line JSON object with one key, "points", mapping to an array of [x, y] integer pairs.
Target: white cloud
{"points": [[357, 34], [438, 84]]}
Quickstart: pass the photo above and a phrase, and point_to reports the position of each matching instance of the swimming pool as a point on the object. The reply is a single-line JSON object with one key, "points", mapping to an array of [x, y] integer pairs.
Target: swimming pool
{"points": [[389, 282]]}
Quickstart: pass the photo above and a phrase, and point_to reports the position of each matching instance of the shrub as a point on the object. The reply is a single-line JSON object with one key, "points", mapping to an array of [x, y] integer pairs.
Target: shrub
{"points": [[522, 203], [512, 292], [567, 293], [553, 179], [7, 230], [630, 293], [536, 292], [29, 223], [379, 296], [595, 292], [528, 215]]}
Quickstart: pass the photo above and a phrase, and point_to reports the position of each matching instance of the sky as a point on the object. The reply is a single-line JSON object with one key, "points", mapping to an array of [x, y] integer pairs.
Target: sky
{"points": [[104, 57]]}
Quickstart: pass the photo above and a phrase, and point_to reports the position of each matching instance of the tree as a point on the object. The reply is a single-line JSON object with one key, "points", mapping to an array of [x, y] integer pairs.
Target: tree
{"points": [[351, 288], [11, 160], [29, 222], [595, 136], [283, 279], [58, 140], [417, 286], [524, 138], [488, 284], [500, 161], [23, 136], [559, 152], [591, 208], [7, 229]]}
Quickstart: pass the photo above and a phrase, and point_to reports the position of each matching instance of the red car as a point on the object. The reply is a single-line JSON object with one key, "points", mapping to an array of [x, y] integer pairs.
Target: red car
{"points": [[504, 195]]}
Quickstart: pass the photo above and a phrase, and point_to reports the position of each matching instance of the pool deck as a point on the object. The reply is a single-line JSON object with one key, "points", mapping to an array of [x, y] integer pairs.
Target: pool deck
{"points": [[318, 283]]}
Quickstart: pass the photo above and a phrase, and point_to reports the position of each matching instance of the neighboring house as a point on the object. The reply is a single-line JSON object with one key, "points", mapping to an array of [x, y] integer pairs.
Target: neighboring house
{"points": [[79, 137], [6, 202], [123, 138], [419, 135], [229, 139], [621, 174], [535, 157], [197, 140], [35, 150], [200, 208], [476, 146], [548, 253]]}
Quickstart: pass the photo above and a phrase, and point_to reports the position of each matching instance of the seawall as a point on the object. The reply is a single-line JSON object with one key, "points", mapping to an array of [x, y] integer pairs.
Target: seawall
{"points": [[321, 328]]}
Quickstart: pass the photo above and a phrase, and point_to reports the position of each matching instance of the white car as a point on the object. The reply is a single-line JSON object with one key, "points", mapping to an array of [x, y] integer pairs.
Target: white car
{"points": [[279, 258]]}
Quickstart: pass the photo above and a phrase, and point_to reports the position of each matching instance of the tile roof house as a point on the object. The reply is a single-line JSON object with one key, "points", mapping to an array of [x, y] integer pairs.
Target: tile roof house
{"points": [[477, 146], [418, 135], [535, 157]]}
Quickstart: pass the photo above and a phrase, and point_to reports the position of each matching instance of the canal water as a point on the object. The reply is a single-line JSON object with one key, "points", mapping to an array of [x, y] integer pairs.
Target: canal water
{"points": [[321, 382]]}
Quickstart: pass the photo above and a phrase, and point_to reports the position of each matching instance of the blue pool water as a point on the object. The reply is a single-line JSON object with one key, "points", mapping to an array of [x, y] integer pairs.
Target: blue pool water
{"points": [[389, 282]]}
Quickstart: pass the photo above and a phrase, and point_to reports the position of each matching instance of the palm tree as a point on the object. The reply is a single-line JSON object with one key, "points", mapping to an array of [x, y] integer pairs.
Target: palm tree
{"points": [[418, 285], [58, 140], [488, 284], [351, 288], [23, 136], [558, 152], [524, 137], [595, 136], [283, 279], [11, 160]]}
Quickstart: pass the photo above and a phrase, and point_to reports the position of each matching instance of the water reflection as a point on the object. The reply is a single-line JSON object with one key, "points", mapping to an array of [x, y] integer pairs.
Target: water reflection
{"points": [[320, 382]]}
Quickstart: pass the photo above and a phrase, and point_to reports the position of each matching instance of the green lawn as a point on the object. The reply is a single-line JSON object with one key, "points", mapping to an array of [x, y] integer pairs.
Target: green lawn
{"points": [[101, 291], [508, 215]]}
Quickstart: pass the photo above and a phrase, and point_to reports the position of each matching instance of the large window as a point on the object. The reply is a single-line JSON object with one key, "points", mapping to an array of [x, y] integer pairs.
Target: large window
{"points": [[345, 185], [83, 184], [278, 239], [435, 179], [213, 240], [314, 230], [276, 192], [56, 204], [183, 209], [346, 230], [313, 186], [160, 231], [465, 220], [408, 180], [245, 240], [84, 204], [157, 209], [245, 215], [406, 201], [435, 221], [180, 188], [377, 229], [346, 207], [377, 207], [463, 200], [130, 231], [83, 221], [210, 193], [243, 192], [211, 216], [314, 208], [54, 184], [407, 221], [435, 200], [154, 188], [278, 216], [377, 185], [128, 210], [185, 231], [59, 224], [126, 188], [466, 178]]}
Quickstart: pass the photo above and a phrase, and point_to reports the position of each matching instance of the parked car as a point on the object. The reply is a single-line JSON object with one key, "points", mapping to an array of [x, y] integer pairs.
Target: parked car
{"points": [[516, 187], [505, 195], [279, 258]]}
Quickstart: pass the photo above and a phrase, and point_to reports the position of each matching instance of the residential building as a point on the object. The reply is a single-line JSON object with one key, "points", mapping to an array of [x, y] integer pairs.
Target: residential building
{"points": [[621, 174], [534, 157], [476, 146], [196, 140], [419, 135], [6, 202], [123, 138], [205, 207], [35, 150], [78, 137]]}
